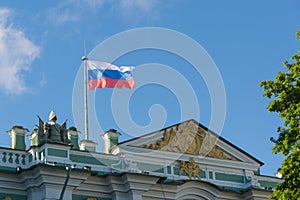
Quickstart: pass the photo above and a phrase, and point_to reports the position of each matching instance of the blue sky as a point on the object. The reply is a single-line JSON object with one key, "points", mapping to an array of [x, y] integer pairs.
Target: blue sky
{"points": [[42, 42]]}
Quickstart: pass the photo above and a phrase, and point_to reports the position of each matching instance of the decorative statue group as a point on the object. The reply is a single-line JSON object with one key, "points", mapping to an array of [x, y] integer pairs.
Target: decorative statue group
{"points": [[190, 168], [51, 131]]}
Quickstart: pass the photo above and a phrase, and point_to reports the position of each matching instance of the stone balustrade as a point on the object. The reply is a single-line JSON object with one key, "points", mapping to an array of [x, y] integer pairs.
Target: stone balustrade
{"points": [[14, 158]]}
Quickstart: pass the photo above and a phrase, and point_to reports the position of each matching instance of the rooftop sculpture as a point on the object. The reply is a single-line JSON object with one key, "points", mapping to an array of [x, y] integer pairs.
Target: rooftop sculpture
{"points": [[51, 131]]}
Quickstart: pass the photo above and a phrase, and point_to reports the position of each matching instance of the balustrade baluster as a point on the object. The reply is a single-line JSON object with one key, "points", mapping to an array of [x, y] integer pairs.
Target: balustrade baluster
{"points": [[17, 161], [23, 159], [4, 157], [10, 159]]}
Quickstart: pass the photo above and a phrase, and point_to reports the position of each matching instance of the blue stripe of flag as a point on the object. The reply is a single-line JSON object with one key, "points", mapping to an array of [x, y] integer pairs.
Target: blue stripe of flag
{"points": [[113, 74]]}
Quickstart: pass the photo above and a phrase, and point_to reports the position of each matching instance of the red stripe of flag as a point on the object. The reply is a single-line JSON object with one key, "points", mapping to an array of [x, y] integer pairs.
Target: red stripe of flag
{"points": [[110, 83]]}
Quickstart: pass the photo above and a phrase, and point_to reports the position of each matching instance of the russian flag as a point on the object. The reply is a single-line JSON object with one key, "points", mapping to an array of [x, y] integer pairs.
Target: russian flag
{"points": [[106, 75]]}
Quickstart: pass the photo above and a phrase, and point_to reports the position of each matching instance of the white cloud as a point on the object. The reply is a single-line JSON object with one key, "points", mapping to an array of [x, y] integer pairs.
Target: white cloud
{"points": [[63, 12], [43, 81], [135, 10], [17, 54], [73, 10], [143, 5]]}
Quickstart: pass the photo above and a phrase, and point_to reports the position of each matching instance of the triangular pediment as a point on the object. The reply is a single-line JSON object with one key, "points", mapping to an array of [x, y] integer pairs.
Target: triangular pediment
{"points": [[191, 138]]}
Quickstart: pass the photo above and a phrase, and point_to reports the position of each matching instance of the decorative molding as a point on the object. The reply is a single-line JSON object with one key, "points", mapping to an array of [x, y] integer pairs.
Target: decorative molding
{"points": [[190, 138]]}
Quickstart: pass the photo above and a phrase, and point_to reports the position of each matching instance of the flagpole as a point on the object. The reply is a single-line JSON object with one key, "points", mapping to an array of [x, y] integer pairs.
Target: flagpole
{"points": [[86, 124]]}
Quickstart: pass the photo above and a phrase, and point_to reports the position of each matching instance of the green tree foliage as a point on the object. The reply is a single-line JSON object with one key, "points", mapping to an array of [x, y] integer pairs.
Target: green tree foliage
{"points": [[284, 93]]}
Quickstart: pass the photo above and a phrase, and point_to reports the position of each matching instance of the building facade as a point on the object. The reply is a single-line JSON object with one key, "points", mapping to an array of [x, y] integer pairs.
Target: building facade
{"points": [[185, 161]]}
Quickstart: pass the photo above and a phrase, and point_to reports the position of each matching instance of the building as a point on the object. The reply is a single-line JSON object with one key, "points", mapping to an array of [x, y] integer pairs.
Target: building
{"points": [[185, 161]]}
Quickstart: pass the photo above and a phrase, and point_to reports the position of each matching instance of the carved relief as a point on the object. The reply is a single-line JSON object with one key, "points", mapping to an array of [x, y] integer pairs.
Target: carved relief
{"points": [[190, 168], [217, 152], [189, 138], [184, 138]]}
